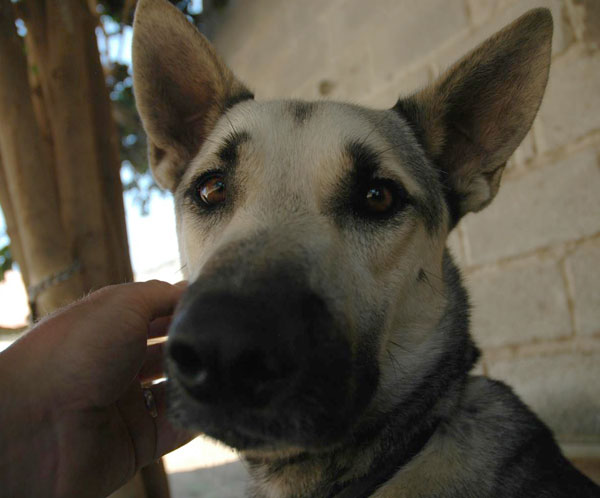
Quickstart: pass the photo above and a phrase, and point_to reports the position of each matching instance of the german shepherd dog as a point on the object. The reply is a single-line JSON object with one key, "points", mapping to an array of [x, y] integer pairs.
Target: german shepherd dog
{"points": [[325, 330]]}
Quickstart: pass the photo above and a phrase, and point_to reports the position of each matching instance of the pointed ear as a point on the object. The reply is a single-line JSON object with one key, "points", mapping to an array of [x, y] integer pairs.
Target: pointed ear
{"points": [[181, 87], [476, 114]]}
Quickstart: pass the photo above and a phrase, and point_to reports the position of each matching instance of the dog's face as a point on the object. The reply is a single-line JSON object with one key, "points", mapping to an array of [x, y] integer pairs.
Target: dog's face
{"points": [[328, 222], [313, 234]]}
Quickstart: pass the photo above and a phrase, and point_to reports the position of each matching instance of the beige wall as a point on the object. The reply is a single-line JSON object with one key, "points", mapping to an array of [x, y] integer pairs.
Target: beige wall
{"points": [[532, 259]]}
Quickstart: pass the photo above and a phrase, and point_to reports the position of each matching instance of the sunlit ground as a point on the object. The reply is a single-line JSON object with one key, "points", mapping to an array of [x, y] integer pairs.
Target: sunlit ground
{"points": [[202, 452], [205, 469]]}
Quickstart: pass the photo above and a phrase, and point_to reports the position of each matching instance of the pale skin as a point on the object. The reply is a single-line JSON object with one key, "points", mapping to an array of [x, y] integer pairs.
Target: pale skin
{"points": [[73, 420]]}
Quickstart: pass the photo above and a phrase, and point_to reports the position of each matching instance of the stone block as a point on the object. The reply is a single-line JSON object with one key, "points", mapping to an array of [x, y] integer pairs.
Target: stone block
{"points": [[519, 303], [571, 106], [384, 98], [585, 15], [302, 14], [504, 12], [403, 85], [562, 389], [411, 31], [350, 75], [481, 10], [544, 207], [583, 267], [308, 59], [353, 21]]}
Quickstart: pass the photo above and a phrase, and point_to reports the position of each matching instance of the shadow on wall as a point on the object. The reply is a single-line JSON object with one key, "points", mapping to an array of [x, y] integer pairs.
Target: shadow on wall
{"points": [[222, 481]]}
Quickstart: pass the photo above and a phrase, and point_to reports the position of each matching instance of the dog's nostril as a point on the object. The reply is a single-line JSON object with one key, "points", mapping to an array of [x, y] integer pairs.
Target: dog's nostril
{"points": [[188, 361]]}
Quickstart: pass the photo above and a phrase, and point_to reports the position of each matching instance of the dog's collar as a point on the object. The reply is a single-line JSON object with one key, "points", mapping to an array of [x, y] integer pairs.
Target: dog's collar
{"points": [[383, 471]]}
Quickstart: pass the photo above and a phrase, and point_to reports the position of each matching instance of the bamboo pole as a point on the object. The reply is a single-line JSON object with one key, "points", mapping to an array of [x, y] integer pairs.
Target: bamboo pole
{"points": [[71, 110], [28, 176]]}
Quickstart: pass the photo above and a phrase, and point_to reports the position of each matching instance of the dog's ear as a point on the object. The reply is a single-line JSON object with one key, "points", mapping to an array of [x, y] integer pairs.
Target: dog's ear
{"points": [[476, 114], [181, 87]]}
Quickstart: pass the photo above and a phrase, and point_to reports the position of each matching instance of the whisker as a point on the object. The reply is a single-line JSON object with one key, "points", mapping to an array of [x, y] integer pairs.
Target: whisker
{"points": [[428, 274], [395, 363], [400, 346], [438, 277]]}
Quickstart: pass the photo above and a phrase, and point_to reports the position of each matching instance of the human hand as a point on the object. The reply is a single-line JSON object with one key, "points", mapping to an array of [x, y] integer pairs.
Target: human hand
{"points": [[73, 420]]}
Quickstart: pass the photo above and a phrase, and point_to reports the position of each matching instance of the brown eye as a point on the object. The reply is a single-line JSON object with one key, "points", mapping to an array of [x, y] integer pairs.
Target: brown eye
{"points": [[378, 199], [212, 191]]}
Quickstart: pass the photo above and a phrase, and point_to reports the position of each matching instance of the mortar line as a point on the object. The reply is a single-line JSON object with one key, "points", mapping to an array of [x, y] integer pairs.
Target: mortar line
{"points": [[543, 251], [569, 287]]}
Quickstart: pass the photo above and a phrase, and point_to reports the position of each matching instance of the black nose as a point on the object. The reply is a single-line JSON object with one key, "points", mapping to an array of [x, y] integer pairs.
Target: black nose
{"points": [[243, 349]]}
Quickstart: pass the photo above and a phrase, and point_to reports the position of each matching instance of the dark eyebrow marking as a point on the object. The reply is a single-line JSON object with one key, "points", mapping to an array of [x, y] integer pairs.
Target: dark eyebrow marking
{"points": [[236, 99], [301, 111], [228, 152], [364, 159]]}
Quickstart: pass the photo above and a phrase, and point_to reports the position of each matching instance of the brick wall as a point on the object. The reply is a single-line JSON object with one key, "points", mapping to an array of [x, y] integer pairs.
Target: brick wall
{"points": [[532, 259]]}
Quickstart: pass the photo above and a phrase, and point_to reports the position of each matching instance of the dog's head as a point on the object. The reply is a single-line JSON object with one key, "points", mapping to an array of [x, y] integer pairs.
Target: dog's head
{"points": [[313, 233]]}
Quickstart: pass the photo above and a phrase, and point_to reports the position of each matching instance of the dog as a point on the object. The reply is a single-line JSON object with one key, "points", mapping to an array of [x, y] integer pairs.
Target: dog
{"points": [[325, 330]]}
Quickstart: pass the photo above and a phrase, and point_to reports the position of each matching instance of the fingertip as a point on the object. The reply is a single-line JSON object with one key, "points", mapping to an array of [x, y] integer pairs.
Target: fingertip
{"points": [[160, 285], [159, 297], [159, 326]]}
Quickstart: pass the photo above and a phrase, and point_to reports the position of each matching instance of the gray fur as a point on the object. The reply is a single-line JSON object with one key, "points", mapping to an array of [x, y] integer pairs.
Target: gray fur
{"points": [[323, 337]]}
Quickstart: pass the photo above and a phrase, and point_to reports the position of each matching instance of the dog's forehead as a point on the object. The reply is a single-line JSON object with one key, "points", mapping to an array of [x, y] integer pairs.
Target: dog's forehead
{"points": [[298, 133], [302, 137], [304, 121]]}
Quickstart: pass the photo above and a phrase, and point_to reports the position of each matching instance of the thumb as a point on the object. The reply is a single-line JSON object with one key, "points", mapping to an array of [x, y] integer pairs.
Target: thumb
{"points": [[152, 435]]}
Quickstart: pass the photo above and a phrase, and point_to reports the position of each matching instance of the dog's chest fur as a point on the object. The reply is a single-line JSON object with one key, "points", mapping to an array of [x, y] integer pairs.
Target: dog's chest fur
{"points": [[487, 444]]}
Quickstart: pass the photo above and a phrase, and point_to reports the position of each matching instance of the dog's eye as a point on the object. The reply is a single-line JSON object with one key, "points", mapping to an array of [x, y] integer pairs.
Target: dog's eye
{"points": [[212, 190], [379, 199]]}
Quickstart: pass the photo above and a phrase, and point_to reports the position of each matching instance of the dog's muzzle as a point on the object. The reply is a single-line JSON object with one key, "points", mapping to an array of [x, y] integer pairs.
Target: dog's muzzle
{"points": [[246, 349], [265, 363]]}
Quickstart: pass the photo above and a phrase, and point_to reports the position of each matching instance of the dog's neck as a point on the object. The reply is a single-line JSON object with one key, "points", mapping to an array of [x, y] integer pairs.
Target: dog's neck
{"points": [[377, 450], [384, 467]]}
